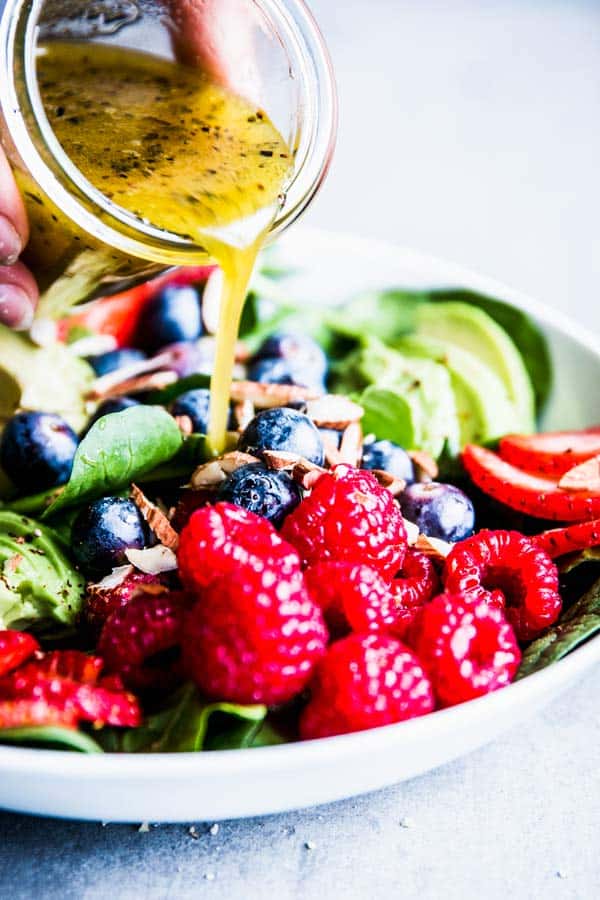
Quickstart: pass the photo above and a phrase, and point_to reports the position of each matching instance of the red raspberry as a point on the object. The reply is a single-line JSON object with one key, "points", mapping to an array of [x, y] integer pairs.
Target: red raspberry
{"points": [[358, 598], [255, 636], [467, 647], [15, 648], [146, 627], [104, 598], [348, 517], [363, 682], [220, 539], [352, 598], [417, 581], [506, 568]]}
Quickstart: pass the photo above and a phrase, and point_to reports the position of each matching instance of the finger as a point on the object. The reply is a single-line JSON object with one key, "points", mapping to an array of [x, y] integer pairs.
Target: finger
{"points": [[14, 230], [18, 296], [217, 36]]}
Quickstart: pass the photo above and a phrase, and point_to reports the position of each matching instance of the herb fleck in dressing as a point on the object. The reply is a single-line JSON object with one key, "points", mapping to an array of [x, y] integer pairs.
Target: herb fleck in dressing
{"points": [[179, 152]]}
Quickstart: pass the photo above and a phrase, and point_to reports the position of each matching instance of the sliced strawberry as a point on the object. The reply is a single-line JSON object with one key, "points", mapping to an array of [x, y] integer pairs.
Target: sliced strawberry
{"points": [[531, 494], [91, 702], [34, 711], [69, 664], [15, 648], [558, 541], [553, 453], [119, 315], [105, 707]]}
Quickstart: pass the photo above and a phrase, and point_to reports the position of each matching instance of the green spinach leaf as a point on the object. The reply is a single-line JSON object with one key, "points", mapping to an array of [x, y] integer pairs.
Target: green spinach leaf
{"points": [[50, 737], [192, 452], [388, 416], [184, 724], [118, 449], [387, 315], [580, 622]]}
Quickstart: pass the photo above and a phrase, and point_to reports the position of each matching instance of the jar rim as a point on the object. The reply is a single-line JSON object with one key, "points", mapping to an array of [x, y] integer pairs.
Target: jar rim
{"points": [[95, 213]]}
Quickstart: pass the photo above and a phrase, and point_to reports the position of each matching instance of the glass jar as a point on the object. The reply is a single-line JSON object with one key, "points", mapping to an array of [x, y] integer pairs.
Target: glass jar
{"points": [[81, 244]]}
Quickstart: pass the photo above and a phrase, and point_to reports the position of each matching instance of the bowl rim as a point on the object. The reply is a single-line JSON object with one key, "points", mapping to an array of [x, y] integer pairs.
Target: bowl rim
{"points": [[122, 766]]}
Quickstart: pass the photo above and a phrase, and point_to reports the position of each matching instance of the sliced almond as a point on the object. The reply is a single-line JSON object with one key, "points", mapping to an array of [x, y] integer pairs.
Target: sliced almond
{"points": [[425, 463], [91, 345], [242, 352], [153, 560], [154, 381], [265, 396], [333, 456], [155, 518], [307, 473], [212, 473], [434, 548], [334, 411], [243, 413], [390, 482], [208, 475], [412, 532], [235, 459], [584, 477], [351, 444], [280, 459], [185, 425], [113, 579], [126, 373]]}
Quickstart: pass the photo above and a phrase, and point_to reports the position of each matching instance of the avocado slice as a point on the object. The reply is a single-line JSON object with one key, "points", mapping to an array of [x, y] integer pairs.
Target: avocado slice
{"points": [[471, 329], [483, 407], [422, 384], [47, 379], [39, 587]]}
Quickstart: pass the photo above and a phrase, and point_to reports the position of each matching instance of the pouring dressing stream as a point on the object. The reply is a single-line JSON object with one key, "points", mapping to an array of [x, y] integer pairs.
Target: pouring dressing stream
{"points": [[162, 141]]}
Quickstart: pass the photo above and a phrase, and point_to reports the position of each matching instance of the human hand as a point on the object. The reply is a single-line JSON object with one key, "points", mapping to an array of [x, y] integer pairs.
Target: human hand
{"points": [[213, 34], [18, 290]]}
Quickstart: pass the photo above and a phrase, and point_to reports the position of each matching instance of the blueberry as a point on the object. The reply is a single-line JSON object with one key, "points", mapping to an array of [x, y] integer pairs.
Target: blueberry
{"points": [[283, 429], [195, 404], [104, 363], [389, 457], [191, 357], [262, 491], [37, 450], [284, 371], [298, 349], [440, 510], [171, 316], [112, 405], [103, 531]]}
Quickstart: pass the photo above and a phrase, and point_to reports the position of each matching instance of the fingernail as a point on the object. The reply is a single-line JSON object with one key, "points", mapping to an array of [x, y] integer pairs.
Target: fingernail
{"points": [[10, 242], [16, 308]]}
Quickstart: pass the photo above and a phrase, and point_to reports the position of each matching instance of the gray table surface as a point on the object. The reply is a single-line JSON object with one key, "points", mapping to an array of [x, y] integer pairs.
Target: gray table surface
{"points": [[485, 119]]}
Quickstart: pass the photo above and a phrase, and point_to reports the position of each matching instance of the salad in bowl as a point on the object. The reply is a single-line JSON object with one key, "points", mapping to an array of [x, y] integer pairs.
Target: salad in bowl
{"points": [[386, 534]]}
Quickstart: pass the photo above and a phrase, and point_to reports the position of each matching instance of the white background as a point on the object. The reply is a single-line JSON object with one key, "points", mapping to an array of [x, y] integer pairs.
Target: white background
{"points": [[471, 129]]}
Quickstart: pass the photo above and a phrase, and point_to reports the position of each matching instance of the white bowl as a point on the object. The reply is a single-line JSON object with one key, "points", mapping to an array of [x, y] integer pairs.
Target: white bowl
{"points": [[236, 783]]}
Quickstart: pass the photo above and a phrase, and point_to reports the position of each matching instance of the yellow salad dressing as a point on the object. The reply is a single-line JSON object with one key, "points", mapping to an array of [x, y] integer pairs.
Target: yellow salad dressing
{"points": [[179, 152]]}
